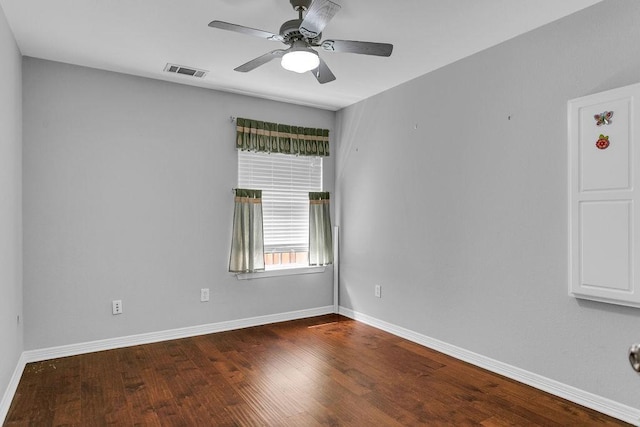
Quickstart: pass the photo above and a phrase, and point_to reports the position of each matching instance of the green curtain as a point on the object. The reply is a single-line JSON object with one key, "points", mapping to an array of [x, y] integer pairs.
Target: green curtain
{"points": [[247, 243], [254, 135], [320, 240]]}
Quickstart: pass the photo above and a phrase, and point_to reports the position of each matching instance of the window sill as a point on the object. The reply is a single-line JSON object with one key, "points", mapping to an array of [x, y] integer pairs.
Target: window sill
{"points": [[280, 272]]}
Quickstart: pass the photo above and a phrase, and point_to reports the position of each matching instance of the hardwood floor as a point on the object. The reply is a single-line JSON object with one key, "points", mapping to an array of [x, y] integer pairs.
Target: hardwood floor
{"points": [[324, 371]]}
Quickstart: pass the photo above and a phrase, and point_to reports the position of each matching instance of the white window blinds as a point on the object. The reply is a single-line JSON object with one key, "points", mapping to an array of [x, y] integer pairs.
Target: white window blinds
{"points": [[285, 181]]}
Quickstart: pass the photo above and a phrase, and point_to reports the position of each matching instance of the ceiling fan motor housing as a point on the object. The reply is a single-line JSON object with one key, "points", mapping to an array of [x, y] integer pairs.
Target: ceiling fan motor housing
{"points": [[290, 31]]}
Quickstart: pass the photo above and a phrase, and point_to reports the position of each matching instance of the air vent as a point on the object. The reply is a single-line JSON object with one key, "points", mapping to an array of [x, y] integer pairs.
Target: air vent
{"points": [[187, 71]]}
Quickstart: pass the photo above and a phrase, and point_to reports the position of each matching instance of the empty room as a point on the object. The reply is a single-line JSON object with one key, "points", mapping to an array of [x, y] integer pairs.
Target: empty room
{"points": [[327, 212]]}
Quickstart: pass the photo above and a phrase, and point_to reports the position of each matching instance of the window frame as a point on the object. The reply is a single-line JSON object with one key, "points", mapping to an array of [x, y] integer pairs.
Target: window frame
{"points": [[246, 161]]}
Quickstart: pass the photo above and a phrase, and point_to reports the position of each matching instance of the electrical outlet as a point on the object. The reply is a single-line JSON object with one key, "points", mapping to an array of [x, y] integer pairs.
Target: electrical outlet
{"points": [[204, 294], [378, 291], [116, 306]]}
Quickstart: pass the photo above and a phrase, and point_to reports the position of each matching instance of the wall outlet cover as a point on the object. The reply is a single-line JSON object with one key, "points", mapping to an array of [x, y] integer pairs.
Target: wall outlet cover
{"points": [[116, 307]]}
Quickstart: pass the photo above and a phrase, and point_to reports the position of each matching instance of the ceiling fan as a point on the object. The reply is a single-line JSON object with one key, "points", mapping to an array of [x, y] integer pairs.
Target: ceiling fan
{"points": [[301, 35]]}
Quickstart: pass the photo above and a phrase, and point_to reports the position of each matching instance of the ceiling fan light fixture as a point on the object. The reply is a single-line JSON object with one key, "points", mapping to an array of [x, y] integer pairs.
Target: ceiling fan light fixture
{"points": [[300, 59], [301, 35]]}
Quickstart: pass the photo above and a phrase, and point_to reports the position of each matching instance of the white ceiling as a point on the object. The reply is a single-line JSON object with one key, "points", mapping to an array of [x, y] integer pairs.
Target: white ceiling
{"points": [[140, 36]]}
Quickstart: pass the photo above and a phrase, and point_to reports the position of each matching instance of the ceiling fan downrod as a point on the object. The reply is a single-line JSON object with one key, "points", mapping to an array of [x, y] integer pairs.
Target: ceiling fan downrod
{"points": [[300, 6]]}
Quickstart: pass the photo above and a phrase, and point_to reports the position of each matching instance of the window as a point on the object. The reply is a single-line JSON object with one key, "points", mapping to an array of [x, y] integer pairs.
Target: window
{"points": [[285, 181]]}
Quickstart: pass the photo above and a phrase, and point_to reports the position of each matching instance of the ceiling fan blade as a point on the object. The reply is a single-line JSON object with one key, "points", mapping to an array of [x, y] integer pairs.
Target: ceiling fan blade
{"points": [[351, 46], [260, 60], [245, 30], [323, 73], [317, 17]]}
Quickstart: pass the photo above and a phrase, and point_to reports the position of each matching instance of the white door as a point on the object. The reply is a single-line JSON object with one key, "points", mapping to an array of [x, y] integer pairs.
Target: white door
{"points": [[603, 219]]}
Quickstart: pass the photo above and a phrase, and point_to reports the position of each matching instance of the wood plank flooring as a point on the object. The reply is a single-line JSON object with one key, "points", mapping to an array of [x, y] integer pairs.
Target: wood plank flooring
{"points": [[323, 371]]}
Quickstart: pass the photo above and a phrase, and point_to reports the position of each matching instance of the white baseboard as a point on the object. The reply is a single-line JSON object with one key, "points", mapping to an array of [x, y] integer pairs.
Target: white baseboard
{"points": [[5, 403], [581, 397], [131, 340]]}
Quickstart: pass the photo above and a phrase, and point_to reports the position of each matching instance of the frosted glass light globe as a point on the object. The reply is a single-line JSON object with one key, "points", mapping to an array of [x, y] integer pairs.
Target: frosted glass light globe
{"points": [[300, 61]]}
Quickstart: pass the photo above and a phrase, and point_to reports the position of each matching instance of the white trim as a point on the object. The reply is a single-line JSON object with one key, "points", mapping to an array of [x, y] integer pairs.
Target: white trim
{"points": [[581, 397], [151, 337], [172, 334], [280, 272], [7, 398], [336, 269]]}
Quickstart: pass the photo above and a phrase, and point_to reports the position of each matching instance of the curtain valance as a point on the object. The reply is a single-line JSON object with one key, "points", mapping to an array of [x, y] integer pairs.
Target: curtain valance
{"points": [[255, 135]]}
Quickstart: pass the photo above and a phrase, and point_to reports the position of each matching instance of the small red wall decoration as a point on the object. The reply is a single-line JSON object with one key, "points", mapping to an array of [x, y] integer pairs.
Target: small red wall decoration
{"points": [[603, 142]]}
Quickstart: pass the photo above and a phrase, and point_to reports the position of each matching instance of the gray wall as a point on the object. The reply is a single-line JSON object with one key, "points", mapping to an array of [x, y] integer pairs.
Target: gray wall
{"points": [[463, 221], [10, 204], [127, 195]]}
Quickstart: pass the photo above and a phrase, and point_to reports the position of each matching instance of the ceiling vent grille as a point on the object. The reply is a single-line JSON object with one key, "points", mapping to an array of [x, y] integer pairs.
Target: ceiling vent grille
{"points": [[187, 71]]}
